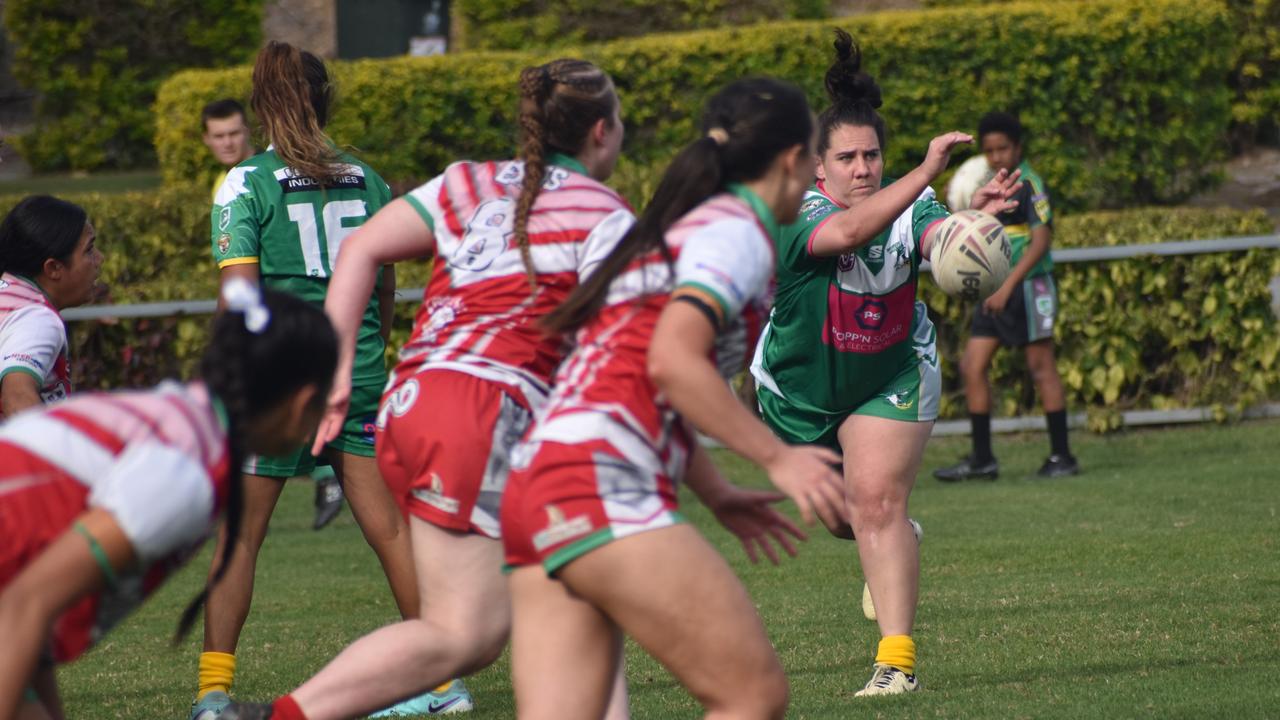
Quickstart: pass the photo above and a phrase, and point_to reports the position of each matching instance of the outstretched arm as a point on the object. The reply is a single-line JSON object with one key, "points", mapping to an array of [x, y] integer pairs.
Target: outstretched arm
{"points": [[395, 233], [680, 366], [851, 229], [748, 514]]}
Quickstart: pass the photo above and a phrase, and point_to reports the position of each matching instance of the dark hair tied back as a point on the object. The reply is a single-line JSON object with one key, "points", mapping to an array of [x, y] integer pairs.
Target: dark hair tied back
{"points": [[745, 127], [38, 228], [846, 83], [252, 364], [854, 94]]}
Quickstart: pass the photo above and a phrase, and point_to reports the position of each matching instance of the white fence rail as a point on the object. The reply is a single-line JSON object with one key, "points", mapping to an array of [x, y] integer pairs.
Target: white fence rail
{"points": [[1065, 255]]}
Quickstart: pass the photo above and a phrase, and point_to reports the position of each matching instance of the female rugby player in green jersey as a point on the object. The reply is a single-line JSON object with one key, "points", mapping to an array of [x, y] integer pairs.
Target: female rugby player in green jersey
{"points": [[280, 218], [848, 358]]}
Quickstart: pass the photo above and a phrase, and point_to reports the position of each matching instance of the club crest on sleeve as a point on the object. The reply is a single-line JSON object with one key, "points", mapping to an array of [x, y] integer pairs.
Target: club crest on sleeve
{"points": [[224, 243]]}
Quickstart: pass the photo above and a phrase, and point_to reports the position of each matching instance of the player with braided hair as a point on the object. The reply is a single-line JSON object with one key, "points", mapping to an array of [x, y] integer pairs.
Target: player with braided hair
{"points": [[105, 495], [511, 239], [590, 520]]}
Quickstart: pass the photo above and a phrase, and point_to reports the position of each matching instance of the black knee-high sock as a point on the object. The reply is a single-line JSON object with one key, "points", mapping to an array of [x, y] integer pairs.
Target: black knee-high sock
{"points": [[1058, 432], [981, 424]]}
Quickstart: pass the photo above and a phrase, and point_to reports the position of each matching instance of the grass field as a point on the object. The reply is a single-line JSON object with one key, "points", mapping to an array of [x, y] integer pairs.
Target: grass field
{"points": [[1149, 586]]}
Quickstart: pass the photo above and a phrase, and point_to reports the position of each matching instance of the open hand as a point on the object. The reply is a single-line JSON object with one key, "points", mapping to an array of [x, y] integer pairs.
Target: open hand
{"points": [[939, 152], [806, 474], [996, 196], [750, 515]]}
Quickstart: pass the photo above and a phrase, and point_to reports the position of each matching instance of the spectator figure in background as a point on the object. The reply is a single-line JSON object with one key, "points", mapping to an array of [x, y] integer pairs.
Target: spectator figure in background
{"points": [[1020, 313], [48, 261], [226, 134]]}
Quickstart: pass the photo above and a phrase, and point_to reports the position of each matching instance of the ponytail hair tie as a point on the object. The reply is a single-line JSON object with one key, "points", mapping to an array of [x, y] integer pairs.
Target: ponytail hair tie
{"points": [[244, 297], [719, 135]]}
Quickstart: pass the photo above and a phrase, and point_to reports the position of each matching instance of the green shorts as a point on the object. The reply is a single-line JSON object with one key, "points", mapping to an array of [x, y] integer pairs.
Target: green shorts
{"points": [[356, 438], [911, 396]]}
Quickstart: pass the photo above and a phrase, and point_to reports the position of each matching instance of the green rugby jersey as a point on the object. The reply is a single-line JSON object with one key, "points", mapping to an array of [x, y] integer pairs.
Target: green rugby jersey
{"points": [[843, 327], [1033, 211], [292, 228]]}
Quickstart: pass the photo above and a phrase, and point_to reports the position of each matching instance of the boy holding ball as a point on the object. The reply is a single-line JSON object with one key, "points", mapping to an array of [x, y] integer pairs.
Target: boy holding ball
{"points": [[1020, 313]]}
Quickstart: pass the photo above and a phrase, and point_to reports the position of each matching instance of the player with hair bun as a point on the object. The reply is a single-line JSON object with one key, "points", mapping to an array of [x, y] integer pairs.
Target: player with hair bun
{"points": [[511, 240], [848, 359], [590, 521], [281, 218], [49, 260], [103, 496]]}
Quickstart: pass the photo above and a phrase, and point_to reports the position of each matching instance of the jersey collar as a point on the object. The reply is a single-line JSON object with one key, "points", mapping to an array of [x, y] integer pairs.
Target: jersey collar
{"points": [[566, 161], [821, 188], [759, 207], [34, 285]]}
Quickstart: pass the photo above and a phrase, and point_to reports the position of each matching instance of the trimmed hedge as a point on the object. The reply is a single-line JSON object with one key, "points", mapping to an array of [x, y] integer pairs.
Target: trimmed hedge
{"points": [[96, 65], [1125, 102], [1255, 74], [1153, 333], [520, 24]]}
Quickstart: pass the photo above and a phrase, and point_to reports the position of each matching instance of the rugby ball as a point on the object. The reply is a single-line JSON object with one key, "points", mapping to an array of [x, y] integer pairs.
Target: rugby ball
{"points": [[970, 176], [970, 255]]}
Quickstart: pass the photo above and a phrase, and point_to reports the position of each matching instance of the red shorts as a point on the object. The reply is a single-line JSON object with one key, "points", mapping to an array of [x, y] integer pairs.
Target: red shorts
{"points": [[38, 503], [444, 444], [570, 499]]}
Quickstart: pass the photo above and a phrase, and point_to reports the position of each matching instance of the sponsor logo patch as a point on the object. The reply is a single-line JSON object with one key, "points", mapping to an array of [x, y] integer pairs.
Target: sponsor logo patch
{"points": [[25, 359], [1041, 203], [559, 529], [871, 315], [901, 400], [434, 496]]}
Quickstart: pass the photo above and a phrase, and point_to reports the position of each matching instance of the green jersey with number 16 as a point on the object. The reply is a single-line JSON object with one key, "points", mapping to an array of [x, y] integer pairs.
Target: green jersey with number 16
{"points": [[292, 228]]}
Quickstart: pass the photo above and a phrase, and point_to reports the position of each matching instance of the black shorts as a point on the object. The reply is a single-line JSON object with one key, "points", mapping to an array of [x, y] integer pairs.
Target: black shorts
{"points": [[1027, 317]]}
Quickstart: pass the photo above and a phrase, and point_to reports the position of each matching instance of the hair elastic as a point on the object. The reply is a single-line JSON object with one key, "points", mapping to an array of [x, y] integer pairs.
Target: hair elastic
{"points": [[719, 134], [242, 296]]}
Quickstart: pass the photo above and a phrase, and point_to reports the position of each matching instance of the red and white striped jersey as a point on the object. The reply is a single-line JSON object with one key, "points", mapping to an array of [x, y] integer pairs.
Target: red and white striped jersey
{"points": [[33, 338], [723, 247], [479, 315], [157, 460]]}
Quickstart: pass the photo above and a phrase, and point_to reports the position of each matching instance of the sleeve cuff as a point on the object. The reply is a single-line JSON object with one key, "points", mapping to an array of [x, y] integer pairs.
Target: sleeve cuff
{"points": [[25, 370], [238, 261], [814, 234], [422, 211]]}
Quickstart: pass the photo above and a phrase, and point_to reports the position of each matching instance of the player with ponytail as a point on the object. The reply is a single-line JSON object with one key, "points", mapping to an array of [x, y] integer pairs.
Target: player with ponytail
{"points": [[281, 218], [848, 359], [49, 260], [511, 239], [589, 520], [105, 495]]}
